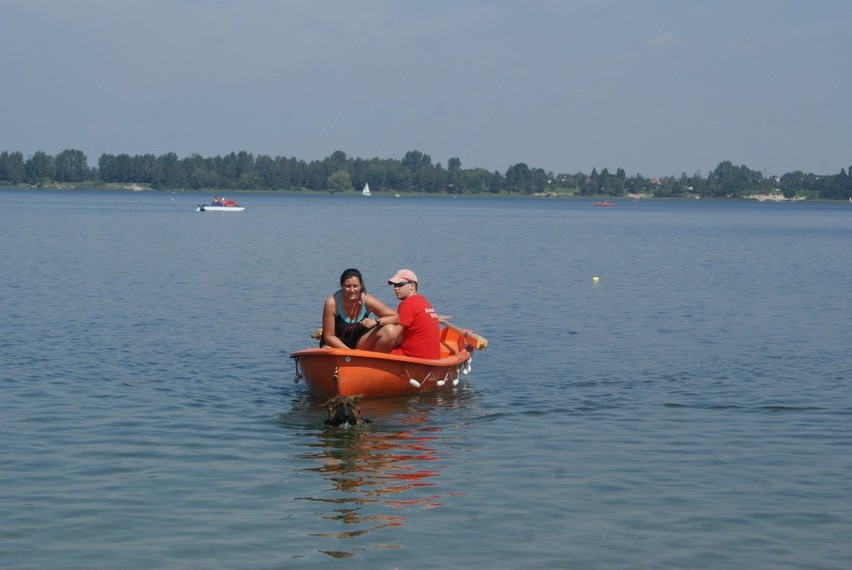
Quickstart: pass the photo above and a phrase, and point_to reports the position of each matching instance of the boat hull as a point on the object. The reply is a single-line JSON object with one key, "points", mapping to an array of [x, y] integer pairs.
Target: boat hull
{"points": [[330, 372], [206, 208]]}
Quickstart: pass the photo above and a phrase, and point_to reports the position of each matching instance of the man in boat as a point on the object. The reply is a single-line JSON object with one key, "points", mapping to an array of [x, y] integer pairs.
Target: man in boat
{"points": [[418, 333]]}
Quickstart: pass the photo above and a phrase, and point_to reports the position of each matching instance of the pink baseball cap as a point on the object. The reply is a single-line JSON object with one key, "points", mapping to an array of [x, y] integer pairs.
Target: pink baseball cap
{"points": [[403, 275]]}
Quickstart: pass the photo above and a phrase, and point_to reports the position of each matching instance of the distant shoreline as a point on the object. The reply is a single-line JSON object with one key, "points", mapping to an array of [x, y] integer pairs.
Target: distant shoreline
{"points": [[355, 192]]}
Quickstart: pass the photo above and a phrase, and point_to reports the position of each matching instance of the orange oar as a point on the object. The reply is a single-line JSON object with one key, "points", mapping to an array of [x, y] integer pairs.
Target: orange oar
{"points": [[476, 341]]}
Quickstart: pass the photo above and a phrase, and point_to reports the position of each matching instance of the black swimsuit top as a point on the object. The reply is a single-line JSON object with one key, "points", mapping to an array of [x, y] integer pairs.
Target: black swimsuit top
{"points": [[349, 330]]}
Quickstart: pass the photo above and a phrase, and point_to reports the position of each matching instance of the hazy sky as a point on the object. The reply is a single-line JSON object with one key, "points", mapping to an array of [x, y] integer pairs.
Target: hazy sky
{"points": [[655, 87]]}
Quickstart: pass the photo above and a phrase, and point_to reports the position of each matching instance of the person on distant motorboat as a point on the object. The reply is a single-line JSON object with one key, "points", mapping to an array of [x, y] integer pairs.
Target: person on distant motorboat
{"points": [[346, 320], [217, 201], [418, 333]]}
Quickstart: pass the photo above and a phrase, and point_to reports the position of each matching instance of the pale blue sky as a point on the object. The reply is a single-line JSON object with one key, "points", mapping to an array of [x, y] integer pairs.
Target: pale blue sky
{"points": [[655, 87]]}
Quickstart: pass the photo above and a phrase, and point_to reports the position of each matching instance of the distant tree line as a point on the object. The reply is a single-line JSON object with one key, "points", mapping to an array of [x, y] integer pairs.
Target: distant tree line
{"points": [[415, 172]]}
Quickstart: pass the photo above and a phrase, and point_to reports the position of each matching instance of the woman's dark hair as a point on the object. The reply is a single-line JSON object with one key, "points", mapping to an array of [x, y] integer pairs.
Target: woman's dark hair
{"points": [[352, 272]]}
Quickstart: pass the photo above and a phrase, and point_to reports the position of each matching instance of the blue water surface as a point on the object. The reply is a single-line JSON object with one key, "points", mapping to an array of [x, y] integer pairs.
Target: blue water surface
{"points": [[689, 409]]}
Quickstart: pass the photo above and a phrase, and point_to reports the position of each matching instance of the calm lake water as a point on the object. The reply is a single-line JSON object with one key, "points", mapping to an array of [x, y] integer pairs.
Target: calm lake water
{"points": [[691, 409]]}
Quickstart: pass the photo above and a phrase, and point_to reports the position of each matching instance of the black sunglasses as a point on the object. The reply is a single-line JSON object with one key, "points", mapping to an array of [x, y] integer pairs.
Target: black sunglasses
{"points": [[400, 284]]}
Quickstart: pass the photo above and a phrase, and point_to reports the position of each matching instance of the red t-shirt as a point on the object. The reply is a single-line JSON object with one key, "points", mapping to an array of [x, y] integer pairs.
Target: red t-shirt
{"points": [[421, 334]]}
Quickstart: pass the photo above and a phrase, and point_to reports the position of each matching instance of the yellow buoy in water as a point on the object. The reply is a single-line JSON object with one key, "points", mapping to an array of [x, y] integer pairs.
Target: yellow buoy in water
{"points": [[595, 279]]}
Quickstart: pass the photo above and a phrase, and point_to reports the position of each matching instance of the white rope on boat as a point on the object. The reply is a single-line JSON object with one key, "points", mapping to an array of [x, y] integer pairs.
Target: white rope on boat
{"points": [[415, 384], [443, 381]]}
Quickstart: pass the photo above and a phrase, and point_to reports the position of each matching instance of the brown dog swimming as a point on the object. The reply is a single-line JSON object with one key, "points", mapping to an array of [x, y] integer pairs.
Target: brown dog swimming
{"points": [[344, 410]]}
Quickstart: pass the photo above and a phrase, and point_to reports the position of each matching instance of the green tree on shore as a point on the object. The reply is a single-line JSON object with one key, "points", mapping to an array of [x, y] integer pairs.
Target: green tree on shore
{"points": [[414, 172]]}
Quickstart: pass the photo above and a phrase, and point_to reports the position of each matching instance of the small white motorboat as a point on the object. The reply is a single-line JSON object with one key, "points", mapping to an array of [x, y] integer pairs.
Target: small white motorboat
{"points": [[209, 208], [220, 206]]}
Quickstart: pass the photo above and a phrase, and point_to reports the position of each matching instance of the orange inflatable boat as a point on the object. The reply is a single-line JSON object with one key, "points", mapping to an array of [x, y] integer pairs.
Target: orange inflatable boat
{"points": [[331, 372]]}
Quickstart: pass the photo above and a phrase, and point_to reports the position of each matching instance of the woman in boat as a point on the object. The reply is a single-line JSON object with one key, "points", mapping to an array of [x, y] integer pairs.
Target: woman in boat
{"points": [[346, 320]]}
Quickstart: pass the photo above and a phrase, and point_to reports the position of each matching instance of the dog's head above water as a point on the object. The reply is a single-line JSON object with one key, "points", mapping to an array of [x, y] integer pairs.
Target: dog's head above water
{"points": [[344, 410]]}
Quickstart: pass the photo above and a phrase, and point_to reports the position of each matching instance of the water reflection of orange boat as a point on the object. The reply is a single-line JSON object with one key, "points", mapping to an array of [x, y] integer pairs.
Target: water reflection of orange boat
{"points": [[377, 463], [333, 371], [365, 467], [383, 472]]}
